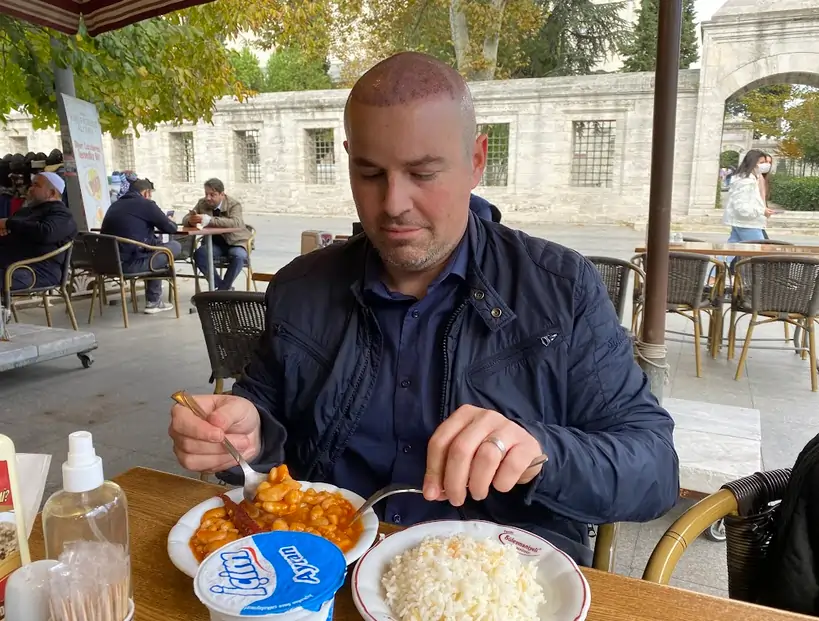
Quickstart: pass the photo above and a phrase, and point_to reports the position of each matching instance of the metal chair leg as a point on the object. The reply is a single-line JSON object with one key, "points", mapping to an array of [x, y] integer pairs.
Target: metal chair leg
{"points": [[47, 310], [745, 347], [94, 293], [123, 301], [134, 301], [70, 308], [219, 387], [812, 352], [175, 293], [697, 335]]}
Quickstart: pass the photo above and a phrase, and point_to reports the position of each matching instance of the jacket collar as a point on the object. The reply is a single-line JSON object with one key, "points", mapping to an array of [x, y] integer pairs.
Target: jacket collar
{"points": [[483, 297]]}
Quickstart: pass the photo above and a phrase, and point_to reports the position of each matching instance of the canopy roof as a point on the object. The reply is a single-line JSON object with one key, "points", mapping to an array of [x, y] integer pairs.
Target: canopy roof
{"points": [[99, 15]]}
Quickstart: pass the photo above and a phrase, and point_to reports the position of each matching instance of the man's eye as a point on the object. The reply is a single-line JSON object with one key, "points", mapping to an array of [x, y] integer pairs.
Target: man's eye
{"points": [[371, 174], [427, 176]]}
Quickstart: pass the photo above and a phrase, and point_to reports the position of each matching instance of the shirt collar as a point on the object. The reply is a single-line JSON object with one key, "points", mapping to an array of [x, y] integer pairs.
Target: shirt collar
{"points": [[457, 266]]}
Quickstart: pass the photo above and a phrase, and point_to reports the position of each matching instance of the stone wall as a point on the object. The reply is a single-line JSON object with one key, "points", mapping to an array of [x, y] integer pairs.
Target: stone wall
{"points": [[540, 112]]}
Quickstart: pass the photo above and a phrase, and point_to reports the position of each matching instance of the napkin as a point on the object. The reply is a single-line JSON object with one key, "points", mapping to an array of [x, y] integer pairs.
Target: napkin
{"points": [[33, 469]]}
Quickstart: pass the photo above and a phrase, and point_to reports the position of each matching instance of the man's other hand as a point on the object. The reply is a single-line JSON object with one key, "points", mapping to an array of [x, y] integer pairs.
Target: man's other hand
{"points": [[462, 456], [195, 219], [198, 443]]}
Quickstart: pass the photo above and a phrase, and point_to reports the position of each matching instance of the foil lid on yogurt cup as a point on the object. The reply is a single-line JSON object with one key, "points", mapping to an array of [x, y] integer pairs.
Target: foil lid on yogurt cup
{"points": [[271, 574]]}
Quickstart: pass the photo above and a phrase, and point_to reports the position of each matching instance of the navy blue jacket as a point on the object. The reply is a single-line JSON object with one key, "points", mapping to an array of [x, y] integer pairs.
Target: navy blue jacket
{"points": [[35, 231], [135, 217], [536, 338]]}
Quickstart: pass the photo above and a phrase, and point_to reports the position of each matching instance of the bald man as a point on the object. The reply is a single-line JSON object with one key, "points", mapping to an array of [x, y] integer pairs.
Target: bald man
{"points": [[442, 349]]}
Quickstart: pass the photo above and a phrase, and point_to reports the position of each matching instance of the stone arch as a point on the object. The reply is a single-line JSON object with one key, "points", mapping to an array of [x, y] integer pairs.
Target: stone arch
{"points": [[746, 45]]}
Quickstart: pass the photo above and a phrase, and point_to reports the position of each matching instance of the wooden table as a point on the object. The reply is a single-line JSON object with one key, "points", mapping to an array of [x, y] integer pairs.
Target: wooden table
{"points": [[207, 233], [156, 500], [737, 250]]}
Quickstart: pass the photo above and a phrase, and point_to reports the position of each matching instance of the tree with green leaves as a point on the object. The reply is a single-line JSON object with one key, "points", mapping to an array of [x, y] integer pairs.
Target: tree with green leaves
{"points": [[169, 69], [291, 70], [475, 36], [576, 36], [765, 107], [640, 50], [802, 139], [247, 70]]}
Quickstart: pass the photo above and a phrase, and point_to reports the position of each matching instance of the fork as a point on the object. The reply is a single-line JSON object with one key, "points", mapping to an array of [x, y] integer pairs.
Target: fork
{"points": [[252, 478], [399, 488]]}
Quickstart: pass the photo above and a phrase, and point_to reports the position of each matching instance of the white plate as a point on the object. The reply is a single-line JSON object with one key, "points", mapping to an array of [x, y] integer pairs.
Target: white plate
{"points": [[567, 593], [179, 538]]}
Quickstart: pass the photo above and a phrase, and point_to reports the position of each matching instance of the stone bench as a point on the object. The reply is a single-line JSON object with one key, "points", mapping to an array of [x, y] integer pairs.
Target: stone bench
{"points": [[30, 344], [716, 444]]}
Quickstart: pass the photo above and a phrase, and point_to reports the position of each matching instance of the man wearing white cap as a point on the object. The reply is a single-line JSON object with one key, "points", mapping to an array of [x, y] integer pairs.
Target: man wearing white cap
{"points": [[41, 226]]}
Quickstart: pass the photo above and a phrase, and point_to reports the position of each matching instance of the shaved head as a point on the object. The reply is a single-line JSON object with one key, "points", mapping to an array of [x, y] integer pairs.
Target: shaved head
{"points": [[415, 157], [410, 77]]}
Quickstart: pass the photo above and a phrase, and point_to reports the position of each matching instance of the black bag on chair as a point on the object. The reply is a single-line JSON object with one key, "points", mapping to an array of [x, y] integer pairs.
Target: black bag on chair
{"points": [[790, 577]]}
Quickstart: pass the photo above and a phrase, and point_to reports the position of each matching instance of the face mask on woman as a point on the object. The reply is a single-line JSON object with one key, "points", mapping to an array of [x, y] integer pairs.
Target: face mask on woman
{"points": [[764, 168]]}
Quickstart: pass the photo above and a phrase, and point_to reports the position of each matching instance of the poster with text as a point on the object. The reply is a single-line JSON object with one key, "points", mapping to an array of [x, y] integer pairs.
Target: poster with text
{"points": [[89, 158]]}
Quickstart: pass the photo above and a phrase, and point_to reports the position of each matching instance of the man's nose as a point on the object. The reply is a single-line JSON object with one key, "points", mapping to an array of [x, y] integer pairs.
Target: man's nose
{"points": [[397, 196]]}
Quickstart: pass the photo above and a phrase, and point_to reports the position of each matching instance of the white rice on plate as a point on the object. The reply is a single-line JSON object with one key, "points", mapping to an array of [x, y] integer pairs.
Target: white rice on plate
{"points": [[461, 578]]}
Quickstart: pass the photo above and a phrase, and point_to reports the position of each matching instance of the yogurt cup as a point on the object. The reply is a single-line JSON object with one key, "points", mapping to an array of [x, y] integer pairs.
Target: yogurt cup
{"points": [[275, 576]]}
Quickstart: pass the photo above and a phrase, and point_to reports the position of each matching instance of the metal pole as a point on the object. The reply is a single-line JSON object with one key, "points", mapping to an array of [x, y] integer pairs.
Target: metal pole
{"points": [[659, 205], [64, 85]]}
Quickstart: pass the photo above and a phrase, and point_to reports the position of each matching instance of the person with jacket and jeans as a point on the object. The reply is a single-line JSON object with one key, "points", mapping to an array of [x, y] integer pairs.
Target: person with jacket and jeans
{"points": [[136, 216], [745, 210], [43, 225], [443, 349], [219, 210]]}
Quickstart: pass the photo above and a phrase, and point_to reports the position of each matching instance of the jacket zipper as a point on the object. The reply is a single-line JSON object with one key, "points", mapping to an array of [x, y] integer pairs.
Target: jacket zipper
{"points": [[445, 383], [287, 335]]}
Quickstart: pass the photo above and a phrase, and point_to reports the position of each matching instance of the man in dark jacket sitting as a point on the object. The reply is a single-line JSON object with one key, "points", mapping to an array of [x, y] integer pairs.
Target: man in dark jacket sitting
{"points": [[41, 226], [136, 216], [443, 349]]}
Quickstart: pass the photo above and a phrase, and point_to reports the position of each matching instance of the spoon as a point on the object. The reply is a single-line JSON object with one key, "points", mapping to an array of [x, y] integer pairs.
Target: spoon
{"points": [[252, 478], [399, 488]]}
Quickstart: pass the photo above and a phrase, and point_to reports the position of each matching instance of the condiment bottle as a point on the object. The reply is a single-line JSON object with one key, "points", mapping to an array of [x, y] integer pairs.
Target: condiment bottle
{"points": [[13, 534], [88, 508]]}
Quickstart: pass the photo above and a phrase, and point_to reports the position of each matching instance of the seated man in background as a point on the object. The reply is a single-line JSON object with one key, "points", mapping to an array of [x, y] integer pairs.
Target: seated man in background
{"points": [[218, 210], [136, 216], [41, 226]]}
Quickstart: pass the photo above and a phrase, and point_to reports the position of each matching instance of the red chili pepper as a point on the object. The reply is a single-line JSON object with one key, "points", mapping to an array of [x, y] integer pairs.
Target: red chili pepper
{"points": [[241, 520]]}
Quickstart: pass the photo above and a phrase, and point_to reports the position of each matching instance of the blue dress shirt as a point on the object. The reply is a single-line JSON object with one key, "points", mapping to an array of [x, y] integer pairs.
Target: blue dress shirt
{"points": [[390, 443]]}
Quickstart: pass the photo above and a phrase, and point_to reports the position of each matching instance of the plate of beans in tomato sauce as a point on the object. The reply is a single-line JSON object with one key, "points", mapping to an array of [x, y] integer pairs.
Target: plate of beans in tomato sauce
{"points": [[281, 504]]}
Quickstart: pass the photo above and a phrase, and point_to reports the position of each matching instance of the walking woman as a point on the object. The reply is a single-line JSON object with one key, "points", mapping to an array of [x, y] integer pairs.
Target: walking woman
{"points": [[745, 210]]}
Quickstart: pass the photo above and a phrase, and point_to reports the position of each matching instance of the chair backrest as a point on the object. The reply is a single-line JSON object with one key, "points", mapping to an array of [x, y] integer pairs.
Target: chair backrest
{"points": [[687, 278], [779, 284], [252, 245], [615, 274], [233, 323], [188, 244], [103, 252], [80, 260], [66, 277], [749, 534]]}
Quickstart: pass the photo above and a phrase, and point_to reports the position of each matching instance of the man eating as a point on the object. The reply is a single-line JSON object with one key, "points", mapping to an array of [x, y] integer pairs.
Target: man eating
{"points": [[444, 349]]}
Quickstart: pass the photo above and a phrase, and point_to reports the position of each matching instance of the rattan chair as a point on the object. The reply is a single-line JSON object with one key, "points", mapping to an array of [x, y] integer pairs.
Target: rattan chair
{"points": [[695, 287], [615, 274], [106, 263], [745, 505], [39, 288], [776, 288], [233, 323]]}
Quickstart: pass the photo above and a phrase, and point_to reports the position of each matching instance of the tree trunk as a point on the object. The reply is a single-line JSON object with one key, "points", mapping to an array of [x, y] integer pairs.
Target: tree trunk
{"points": [[482, 68], [460, 34]]}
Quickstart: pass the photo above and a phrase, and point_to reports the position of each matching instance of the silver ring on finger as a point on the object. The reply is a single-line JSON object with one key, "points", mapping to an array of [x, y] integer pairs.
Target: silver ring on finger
{"points": [[498, 443]]}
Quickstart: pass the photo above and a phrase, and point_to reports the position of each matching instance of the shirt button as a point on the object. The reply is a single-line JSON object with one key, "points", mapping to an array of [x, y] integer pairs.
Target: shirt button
{"points": [[415, 314], [405, 383], [478, 294], [407, 448], [396, 518], [496, 312]]}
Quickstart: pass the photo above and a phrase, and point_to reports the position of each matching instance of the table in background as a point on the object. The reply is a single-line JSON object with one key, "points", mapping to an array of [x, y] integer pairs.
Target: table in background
{"points": [[207, 233], [736, 250], [156, 500]]}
